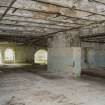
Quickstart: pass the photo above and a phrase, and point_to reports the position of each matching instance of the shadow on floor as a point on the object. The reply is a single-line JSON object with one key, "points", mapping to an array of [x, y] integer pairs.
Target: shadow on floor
{"points": [[94, 72]]}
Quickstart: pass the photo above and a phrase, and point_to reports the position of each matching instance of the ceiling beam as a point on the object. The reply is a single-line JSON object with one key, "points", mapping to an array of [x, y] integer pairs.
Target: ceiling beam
{"points": [[40, 23], [19, 32], [93, 22], [91, 36], [77, 9], [102, 42], [8, 8], [20, 28], [48, 20], [64, 14], [32, 26]]}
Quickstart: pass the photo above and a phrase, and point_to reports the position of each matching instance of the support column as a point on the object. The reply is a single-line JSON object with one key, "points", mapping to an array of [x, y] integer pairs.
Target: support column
{"points": [[62, 58], [77, 61]]}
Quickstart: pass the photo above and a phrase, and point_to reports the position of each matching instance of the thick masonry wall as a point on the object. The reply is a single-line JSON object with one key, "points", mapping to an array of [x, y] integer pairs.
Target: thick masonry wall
{"points": [[23, 54]]}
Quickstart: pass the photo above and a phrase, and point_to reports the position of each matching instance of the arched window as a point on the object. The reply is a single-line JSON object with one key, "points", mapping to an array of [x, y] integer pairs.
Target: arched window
{"points": [[0, 57], [41, 57], [9, 55]]}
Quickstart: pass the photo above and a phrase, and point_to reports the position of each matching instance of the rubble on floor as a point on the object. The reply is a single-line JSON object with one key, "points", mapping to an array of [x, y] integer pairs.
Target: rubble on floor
{"points": [[26, 88]]}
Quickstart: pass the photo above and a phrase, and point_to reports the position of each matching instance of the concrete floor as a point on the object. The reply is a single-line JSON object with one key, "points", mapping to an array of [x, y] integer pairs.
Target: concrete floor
{"points": [[24, 88]]}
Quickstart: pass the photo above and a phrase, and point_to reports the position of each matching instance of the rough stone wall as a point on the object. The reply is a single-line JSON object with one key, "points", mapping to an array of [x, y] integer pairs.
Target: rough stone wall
{"points": [[23, 54], [95, 58]]}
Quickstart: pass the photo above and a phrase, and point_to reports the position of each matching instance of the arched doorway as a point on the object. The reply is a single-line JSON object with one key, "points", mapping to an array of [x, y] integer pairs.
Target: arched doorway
{"points": [[9, 55], [40, 57]]}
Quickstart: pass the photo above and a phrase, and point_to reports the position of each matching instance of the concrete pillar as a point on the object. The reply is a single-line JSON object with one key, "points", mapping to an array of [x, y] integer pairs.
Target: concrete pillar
{"points": [[65, 61], [62, 58], [77, 61]]}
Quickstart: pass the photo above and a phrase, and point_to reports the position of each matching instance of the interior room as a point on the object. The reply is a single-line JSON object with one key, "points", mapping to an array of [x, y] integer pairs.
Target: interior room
{"points": [[52, 52]]}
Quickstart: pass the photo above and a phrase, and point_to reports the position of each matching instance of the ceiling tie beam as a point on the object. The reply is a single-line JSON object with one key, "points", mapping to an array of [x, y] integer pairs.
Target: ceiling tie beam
{"points": [[91, 36], [101, 42], [30, 22], [40, 11], [12, 25], [19, 16]]}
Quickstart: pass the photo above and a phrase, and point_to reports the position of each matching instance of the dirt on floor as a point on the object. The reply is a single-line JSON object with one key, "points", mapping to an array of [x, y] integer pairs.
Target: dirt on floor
{"points": [[25, 88]]}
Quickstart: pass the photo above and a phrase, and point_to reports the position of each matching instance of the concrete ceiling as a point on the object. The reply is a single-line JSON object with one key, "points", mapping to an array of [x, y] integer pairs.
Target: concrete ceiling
{"points": [[44, 17]]}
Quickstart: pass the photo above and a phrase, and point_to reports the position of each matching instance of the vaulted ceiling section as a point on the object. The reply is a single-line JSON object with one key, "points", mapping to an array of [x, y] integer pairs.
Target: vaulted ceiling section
{"points": [[42, 18]]}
